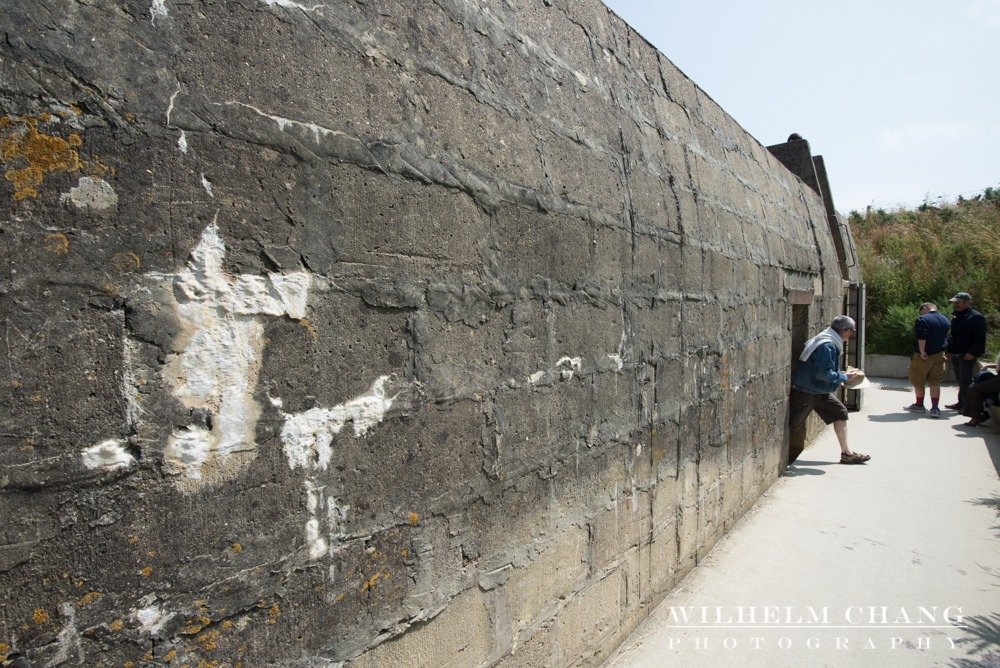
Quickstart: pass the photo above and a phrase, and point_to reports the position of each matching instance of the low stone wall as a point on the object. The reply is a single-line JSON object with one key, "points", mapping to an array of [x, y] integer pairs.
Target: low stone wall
{"points": [[887, 366]]}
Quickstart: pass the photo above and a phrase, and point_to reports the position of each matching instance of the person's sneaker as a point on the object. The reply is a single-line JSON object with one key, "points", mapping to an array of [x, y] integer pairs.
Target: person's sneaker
{"points": [[915, 408], [935, 412]]}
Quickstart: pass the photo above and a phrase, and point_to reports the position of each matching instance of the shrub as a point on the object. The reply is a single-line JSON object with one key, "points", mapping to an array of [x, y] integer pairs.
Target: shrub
{"points": [[928, 254]]}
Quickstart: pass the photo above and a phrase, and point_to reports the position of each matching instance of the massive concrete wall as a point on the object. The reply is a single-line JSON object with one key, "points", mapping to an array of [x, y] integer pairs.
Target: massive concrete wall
{"points": [[445, 333]]}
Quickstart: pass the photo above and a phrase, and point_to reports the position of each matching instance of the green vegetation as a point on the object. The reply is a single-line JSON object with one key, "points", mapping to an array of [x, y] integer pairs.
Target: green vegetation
{"points": [[929, 254]]}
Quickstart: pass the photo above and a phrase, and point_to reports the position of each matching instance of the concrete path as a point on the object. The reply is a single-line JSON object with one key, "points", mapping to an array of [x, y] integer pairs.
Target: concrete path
{"points": [[892, 563]]}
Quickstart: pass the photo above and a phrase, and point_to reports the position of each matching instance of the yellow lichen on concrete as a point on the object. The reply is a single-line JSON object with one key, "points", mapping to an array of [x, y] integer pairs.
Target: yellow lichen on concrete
{"points": [[4, 649], [40, 616], [414, 518], [235, 548], [195, 625], [371, 582], [116, 625], [22, 144], [273, 613], [95, 167], [209, 640], [308, 326], [90, 597], [170, 656], [127, 261], [57, 243], [146, 572]]}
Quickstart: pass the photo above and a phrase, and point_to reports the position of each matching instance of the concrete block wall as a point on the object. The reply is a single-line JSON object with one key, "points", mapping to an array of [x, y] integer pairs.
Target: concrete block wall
{"points": [[447, 333]]}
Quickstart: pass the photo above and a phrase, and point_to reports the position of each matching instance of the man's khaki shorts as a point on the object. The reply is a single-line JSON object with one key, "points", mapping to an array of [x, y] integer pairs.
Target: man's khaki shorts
{"points": [[930, 370]]}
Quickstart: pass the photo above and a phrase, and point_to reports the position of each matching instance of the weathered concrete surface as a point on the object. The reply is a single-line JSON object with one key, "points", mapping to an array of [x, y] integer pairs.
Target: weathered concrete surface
{"points": [[445, 333]]}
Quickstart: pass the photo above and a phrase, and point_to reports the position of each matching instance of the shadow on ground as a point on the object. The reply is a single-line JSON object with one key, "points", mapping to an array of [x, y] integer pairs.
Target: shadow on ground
{"points": [[985, 632]]}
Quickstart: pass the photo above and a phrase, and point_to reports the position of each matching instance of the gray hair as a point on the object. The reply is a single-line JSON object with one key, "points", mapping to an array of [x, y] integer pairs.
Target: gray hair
{"points": [[842, 323]]}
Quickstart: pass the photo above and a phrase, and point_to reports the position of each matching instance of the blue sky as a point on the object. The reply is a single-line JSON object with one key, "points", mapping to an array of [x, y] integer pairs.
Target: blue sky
{"points": [[902, 99]]}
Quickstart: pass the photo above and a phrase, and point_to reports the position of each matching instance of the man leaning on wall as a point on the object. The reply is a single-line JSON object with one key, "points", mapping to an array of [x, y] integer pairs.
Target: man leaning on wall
{"points": [[927, 366], [817, 374]]}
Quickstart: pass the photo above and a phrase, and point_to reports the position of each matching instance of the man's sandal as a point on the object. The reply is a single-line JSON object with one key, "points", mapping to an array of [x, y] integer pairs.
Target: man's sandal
{"points": [[854, 458]]}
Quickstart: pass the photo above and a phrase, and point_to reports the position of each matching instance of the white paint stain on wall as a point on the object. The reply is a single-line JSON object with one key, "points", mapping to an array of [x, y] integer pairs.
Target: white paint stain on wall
{"points": [[307, 440], [207, 185], [563, 370], [182, 143], [220, 343], [317, 131], [158, 9], [307, 436], [617, 359], [110, 455], [152, 618], [289, 4]]}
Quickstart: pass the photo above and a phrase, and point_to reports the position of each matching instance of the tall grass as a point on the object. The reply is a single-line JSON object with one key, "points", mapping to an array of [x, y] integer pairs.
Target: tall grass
{"points": [[928, 254]]}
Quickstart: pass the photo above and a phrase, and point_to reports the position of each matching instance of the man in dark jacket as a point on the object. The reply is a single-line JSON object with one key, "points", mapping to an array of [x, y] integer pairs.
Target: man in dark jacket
{"points": [[928, 361], [817, 373], [966, 343]]}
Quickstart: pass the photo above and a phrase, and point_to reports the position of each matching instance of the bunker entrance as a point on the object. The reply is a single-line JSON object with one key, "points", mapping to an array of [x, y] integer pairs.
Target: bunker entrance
{"points": [[800, 334]]}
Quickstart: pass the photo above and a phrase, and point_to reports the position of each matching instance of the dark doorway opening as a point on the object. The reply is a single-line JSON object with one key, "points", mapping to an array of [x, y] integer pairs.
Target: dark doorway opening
{"points": [[800, 334]]}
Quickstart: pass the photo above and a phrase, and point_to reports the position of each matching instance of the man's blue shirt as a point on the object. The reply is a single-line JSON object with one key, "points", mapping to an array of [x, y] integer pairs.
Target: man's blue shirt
{"points": [[820, 373], [933, 328]]}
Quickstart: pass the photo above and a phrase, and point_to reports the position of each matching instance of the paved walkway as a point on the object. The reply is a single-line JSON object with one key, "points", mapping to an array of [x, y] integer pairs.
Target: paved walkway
{"points": [[893, 563]]}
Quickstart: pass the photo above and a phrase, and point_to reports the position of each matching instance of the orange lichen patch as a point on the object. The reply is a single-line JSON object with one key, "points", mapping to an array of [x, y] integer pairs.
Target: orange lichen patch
{"points": [[414, 518], [235, 548], [308, 326], [116, 625], [209, 640], [97, 168], [170, 656], [127, 261], [90, 597], [132, 540], [57, 243], [371, 582], [273, 613], [40, 616], [195, 625], [4, 650], [40, 153], [227, 624], [128, 664], [146, 572]]}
